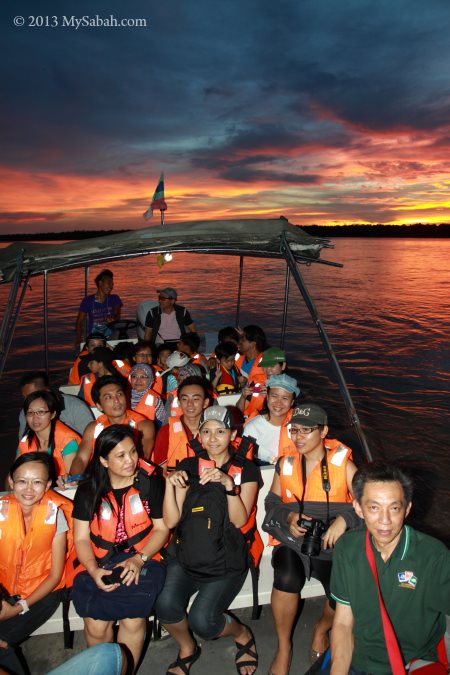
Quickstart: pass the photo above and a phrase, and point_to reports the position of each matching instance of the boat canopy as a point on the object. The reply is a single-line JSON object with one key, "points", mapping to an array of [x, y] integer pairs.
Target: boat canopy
{"points": [[262, 238]]}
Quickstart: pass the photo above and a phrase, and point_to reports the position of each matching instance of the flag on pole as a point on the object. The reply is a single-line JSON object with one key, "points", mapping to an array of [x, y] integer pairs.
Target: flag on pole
{"points": [[158, 200]]}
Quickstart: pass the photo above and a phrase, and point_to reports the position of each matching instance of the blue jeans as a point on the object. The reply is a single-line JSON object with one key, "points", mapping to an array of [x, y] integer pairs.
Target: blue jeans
{"points": [[97, 660], [206, 616]]}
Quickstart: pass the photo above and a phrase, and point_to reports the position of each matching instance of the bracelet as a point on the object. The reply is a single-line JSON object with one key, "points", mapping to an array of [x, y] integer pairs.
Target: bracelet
{"points": [[234, 492], [24, 605]]}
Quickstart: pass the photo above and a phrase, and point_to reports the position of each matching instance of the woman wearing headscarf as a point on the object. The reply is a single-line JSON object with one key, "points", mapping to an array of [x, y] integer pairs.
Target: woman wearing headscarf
{"points": [[144, 399]]}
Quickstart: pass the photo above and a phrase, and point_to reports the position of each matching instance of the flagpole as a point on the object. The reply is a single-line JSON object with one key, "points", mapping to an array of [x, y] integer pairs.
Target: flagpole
{"points": [[162, 217]]}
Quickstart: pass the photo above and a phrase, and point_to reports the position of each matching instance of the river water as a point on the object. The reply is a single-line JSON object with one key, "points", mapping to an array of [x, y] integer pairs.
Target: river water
{"points": [[387, 313]]}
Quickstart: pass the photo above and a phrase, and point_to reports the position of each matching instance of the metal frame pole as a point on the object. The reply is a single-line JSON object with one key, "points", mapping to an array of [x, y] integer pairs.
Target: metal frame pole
{"points": [[285, 306], [46, 320], [86, 292], [354, 419], [238, 306]]}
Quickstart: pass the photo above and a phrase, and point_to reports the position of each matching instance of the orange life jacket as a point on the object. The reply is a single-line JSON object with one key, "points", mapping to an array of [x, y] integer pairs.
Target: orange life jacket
{"points": [[256, 377], [74, 376], [86, 383], [179, 447], [291, 482], [26, 557], [137, 522], [199, 360], [132, 418], [175, 408], [147, 405], [62, 436], [122, 367]]}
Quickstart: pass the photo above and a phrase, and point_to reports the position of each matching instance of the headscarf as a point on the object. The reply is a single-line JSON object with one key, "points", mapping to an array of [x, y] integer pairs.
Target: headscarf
{"points": [[136, 396]]}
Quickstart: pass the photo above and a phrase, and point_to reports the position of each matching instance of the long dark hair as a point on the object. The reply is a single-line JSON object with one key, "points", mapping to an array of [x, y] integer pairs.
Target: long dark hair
{"points": [[54, 406], [97, 480]]}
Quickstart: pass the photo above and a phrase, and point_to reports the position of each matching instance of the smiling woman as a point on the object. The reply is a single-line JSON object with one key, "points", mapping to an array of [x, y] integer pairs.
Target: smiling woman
{"points": [[119, 531], [34, 527]]}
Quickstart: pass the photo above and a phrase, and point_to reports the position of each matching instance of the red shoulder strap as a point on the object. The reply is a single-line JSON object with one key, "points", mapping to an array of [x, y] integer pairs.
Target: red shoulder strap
{"points": [[393, 649]]}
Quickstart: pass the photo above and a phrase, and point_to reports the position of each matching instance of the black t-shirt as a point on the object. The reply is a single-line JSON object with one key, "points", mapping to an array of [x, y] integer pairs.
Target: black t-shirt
{"points": [[250, 472], [151, 492]]}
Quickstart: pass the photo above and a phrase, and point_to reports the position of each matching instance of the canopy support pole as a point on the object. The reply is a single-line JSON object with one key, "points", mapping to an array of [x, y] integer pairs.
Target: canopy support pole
{"points": [[86, 292], [46, 320], [285, 306], [351, 411], [12, 311], [241, 273]]}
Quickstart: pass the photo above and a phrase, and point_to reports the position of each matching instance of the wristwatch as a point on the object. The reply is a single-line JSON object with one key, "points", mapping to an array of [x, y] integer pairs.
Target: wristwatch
{"points": [[143, 557], [25, 607], [234, 492]]}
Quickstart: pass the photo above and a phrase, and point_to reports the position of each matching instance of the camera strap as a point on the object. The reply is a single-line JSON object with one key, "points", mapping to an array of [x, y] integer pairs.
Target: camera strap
{"points": [[325, 483]]}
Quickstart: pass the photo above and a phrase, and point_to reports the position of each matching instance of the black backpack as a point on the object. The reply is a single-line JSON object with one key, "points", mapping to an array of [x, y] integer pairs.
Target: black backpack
{"points": [[207, 544]]}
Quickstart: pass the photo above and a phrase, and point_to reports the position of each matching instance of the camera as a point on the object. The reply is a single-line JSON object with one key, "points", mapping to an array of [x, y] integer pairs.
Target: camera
{"points": [[312, 541]]}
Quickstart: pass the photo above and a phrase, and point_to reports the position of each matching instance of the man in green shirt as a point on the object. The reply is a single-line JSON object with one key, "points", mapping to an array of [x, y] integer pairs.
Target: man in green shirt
{"points": [[413, 572]]}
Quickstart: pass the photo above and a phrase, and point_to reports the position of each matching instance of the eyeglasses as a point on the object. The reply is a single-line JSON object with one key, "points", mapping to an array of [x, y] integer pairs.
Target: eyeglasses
{"points": [[36, 484], [303, 432], [139, 377], [38, 413]]}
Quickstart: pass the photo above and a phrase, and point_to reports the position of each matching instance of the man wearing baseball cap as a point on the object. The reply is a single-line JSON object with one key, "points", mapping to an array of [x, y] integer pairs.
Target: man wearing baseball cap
{"points": [[314, 480], [166, 323]]}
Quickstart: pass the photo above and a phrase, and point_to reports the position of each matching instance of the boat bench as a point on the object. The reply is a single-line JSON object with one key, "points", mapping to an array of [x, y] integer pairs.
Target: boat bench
{"points": [[312, 588]]}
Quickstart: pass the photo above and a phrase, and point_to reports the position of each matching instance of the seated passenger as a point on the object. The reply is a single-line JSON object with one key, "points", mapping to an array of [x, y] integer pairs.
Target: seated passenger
{"points": [[44, 432], [78, 369], [189, 344], [252, 399], [118, 528], [110, 396], [315, 479], [224, 376], [144, 352], [269, 427], [101, 309], [172, 441], [226, 334], [172, 407], [144, 399], [161, 369], [34, 526], [217, 571], [100, 362], [252, 344], [169, 320], [74, 412]]}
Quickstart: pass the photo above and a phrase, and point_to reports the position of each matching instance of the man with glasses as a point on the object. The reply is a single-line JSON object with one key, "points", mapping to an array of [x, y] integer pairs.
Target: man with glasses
{"points": [[166, 323], [308, 509]]}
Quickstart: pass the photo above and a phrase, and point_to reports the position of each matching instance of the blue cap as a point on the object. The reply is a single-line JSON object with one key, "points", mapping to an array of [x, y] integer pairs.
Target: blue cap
{"points": [[285, 382]]}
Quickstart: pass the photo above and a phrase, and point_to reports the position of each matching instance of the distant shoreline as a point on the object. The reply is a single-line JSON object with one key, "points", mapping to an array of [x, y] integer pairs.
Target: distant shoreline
{"points": [[415, 231]]}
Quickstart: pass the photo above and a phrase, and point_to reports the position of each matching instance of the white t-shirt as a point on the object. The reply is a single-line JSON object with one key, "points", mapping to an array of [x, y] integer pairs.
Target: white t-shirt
{"points": [[267, 436]]}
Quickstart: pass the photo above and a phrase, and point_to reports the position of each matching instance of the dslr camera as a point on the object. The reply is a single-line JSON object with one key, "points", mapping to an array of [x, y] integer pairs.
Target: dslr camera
{"points": [[312, 541]]}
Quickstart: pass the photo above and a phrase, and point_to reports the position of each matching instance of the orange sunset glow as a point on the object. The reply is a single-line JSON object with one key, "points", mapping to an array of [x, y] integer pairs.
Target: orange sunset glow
{"points": [[321, 128]]}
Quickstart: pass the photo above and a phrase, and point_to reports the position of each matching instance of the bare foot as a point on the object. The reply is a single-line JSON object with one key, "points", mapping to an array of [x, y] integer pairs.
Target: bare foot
{"points": [[281, 662], [320, 640]]}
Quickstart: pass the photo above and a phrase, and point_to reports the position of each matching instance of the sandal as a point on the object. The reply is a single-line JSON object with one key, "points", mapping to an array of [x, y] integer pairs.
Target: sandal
{"points": [[246, 649], [185, 663]]}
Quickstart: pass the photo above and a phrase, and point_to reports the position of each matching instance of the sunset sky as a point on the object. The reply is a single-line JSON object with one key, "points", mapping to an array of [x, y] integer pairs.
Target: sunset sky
{"points": [[324, 111]]}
